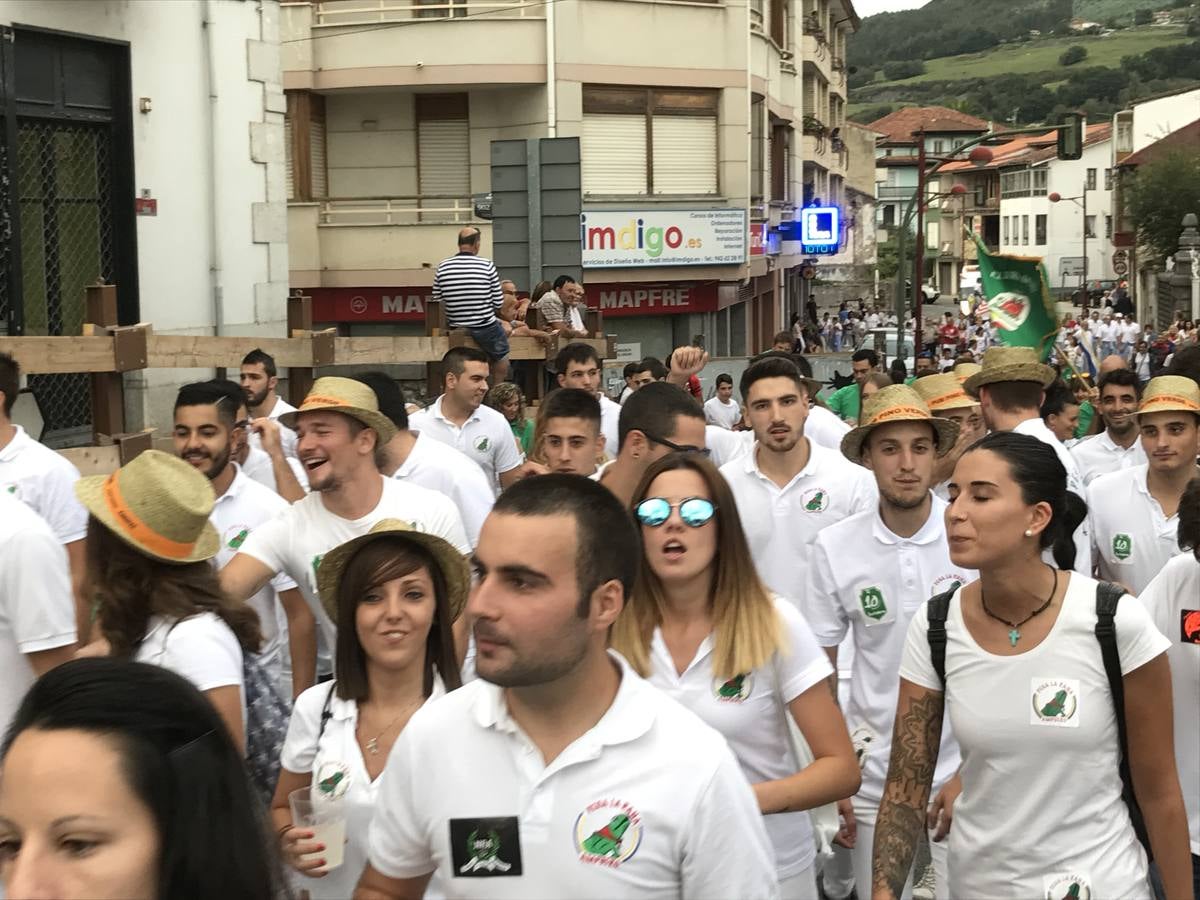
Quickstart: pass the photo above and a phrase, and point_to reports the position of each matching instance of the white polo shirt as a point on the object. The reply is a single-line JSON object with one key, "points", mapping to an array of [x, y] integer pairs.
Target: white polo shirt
{"points": [[37, 607], [650, 803], [749, 710], [1083, 548], [610, 415], [1099, 455], [236, 513], [287, 437], [45, 481], [486, 437], [824, 428], [872, 594], [723, 415], [782, 523], [1132, 538], [1173, 601], [439, 467], [295, 541]]}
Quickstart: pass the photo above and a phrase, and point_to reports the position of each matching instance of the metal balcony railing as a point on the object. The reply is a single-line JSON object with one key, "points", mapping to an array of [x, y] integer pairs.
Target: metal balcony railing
{"points": [[425, 210], [334, 13]]}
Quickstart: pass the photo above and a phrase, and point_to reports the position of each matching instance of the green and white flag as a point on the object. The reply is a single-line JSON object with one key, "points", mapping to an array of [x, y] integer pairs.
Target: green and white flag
{"points": [[1019, 300]]}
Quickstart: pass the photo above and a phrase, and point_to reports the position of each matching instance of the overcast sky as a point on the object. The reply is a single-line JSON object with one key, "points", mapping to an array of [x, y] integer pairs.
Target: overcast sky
{"points": [[869, 7]]}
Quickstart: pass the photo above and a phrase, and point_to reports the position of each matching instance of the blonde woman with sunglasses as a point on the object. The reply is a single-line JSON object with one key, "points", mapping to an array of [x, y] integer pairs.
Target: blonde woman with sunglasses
{"points": [[702, 627]]}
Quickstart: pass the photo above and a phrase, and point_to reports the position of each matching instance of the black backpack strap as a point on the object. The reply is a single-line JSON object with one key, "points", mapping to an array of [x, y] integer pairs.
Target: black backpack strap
{"points": [[1107, 597], [938, 608], [326, 712]]}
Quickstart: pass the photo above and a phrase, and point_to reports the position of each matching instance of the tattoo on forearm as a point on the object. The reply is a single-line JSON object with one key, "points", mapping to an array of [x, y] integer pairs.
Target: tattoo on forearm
{"points": [[915, 743]]}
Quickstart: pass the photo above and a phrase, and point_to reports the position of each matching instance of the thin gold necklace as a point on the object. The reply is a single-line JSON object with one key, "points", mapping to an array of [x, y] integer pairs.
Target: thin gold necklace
{"points": [[373, 743]]}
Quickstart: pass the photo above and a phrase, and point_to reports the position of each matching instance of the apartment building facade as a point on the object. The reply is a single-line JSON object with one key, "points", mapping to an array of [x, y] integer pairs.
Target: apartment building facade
{"points": [[681, 106]]}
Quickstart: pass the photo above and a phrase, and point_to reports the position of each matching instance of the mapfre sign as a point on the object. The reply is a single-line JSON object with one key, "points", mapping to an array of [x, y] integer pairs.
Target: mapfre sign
{"points": [[370, 304], [653, 299]]}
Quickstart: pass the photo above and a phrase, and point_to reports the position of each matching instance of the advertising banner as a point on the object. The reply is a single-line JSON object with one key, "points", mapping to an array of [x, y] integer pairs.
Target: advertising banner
{"points": [[369, 304], [653, 237], [652, 299]]}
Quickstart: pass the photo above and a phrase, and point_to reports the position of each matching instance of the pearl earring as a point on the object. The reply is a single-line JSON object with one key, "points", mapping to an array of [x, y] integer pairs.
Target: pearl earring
{"points": [[1028, 533]]}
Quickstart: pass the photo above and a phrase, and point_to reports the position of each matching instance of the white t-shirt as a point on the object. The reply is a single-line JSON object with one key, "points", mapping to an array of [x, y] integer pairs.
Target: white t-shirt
{"points": [[750, 711], [782, 523], [201, 648], [866, 581], [37, 608], [722, 414], [1109, 331], [649, 803], [44, 480], [1083, 547], [1173, 601], [824, 428], [295, 541], [242, 508], [1038, 734], [1132, 538], [439, 467], [610, 415], [287, 437], [486, 437], [336, 753], [725, 446], [258, 468], [1100, 454]]}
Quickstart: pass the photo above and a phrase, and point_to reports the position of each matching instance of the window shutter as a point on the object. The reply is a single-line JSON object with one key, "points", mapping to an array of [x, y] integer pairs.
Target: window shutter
{"points": [[316, 153], [614, 154], [444, 157], [290, 163], [685, 155]]}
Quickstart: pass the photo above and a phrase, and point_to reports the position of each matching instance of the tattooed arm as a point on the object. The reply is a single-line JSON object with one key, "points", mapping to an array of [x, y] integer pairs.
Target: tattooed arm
{"points": [[915, 742]]}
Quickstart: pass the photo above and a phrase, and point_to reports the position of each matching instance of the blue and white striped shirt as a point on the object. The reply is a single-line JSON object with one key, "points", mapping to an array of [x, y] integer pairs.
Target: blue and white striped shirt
{"points": [[468, 287]]}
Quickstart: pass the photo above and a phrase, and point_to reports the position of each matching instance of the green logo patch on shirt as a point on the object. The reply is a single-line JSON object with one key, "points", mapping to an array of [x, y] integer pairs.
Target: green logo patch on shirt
{"points": [[1122, 546], [872, 603]]}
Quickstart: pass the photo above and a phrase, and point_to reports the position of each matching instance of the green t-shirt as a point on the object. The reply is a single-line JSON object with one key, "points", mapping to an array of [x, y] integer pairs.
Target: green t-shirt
{"points": [[524, 434], [844, 402], [1086, 413]]}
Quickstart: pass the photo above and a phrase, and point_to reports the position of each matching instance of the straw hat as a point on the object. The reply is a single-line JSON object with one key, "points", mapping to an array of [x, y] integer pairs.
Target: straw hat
{"points": [[942, 392], [347, 396], [1002, 364], [1170, 393], [452, 563], [157, 504], [963, 371], [897, 403]]}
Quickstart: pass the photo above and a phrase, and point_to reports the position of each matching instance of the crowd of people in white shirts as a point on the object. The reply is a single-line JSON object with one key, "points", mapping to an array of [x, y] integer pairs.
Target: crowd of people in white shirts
{"points": [[642, 655]]}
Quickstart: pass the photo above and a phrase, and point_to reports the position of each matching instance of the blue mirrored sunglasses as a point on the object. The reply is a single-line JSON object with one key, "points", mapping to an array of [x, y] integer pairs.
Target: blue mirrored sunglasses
{"points": [[694, 511]]}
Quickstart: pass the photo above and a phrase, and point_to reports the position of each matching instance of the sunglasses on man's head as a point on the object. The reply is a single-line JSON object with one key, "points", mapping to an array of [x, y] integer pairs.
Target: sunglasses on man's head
{"points": [[678, 448], [694, 511]]}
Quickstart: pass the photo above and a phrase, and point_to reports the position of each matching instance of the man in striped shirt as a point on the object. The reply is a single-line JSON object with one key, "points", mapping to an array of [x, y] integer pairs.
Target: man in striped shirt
{"points": [[468, 287]]}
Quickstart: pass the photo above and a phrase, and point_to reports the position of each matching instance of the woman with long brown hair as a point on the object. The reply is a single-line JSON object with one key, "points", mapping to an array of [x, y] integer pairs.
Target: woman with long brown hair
{"points": [[701, 626]]}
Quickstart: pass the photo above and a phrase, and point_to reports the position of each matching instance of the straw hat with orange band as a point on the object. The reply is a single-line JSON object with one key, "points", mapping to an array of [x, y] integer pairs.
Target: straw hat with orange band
{"points": [[943, 392], [963, 371], [349, 397], [897, 403], [158, 504], [1170, 393]]}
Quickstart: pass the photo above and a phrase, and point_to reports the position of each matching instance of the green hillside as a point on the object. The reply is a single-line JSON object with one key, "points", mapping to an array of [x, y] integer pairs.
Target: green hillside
{"points": [[1103, 10]]}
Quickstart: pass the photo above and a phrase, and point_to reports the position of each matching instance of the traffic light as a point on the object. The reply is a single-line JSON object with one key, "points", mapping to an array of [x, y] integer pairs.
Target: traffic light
{"points": [[1070, 136]]}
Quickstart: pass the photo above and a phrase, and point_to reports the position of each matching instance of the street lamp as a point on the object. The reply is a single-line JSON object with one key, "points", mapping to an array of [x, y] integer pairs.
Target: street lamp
{"points": [[1081, 201]]}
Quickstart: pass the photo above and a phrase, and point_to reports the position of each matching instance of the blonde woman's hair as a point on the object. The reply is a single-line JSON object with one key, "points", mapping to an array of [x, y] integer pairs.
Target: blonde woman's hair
{"points": [[747, 630], [501, 394]]}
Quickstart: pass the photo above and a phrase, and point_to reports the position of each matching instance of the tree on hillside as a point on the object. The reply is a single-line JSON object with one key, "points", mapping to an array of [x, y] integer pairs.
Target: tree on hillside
{"points": [[1097, 83], [895, 71], [1160, 194], [1073, 54], [1143, 17]]}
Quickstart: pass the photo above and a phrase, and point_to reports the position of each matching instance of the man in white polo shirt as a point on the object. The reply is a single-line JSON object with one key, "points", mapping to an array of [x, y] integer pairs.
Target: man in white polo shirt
{"points": [[420, 460], [900, 558], [459, 418], [45, 481], [260, 379], [560, 772], [788, 487], [339, 426], [1118, 446], [578, 366], [1135, 512], [205, 422]]}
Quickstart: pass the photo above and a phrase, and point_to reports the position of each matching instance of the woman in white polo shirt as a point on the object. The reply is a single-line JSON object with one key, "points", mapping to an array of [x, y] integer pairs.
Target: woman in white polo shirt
{"points": [[394, 594], [701, 626], [1041, 812]]}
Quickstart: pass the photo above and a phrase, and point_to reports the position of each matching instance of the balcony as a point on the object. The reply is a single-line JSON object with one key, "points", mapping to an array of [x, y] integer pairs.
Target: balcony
{"points": [[894, 192]]}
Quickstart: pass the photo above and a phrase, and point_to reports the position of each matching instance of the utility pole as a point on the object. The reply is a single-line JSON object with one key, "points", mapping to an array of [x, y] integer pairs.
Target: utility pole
{"points": [[918, 278], [1086, 296]]}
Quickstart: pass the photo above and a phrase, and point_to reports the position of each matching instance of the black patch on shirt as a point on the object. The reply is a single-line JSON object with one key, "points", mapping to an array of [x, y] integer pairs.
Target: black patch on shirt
{"points": [[486, 848]]}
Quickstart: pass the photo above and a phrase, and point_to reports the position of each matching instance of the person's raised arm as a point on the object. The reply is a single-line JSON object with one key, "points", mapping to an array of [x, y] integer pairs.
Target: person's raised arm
{"points": [[686, 362], [244, 576]]}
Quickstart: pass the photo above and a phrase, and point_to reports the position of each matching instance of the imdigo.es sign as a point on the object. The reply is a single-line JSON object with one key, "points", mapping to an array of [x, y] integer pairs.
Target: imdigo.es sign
{"points": [[659, 299], [695, 237], [369, 304]]}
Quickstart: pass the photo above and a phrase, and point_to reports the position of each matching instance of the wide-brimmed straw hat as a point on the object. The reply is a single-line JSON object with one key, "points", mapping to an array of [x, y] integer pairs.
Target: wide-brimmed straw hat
{"points": [[963, 371], [897, 403], [452, 564], [1002, 364], [941, 392], [158, 504], [347, 396], [1170, 393]]}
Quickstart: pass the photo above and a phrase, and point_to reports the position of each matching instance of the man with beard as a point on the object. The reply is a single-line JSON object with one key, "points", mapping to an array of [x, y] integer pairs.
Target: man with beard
{"points": [[901, 559], [560, 772], [205, 430], [260, 378], [1117, 447], [788, 487], [265, 463], [339, 427]]}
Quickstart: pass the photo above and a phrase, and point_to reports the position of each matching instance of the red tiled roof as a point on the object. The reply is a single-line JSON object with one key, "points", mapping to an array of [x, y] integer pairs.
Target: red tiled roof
{"points": [[1185, 138], [898, 126], [1028, 149]]}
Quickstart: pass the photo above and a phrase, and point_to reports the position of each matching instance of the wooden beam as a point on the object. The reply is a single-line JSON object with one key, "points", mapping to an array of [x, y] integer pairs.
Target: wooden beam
{"points": [[179, 351], [94, 460], [60, 355]]}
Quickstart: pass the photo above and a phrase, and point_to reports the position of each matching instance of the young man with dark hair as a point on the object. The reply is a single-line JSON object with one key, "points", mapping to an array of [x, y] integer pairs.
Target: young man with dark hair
{"points": [[45, 481], [459, 419], [721, 410], [789, 487], [1116, 447], [572, 442], [468, 287], [560, 739], [783, 342], [649, 369], [260, 380], [204, 433], [266, 464], [844, 402], [578, 366], [631, 369], [420, 460], [1060, 411]]}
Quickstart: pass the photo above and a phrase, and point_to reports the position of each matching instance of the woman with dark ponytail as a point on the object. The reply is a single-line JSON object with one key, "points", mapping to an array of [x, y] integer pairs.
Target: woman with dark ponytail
{"points": [[1015, 658]]}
